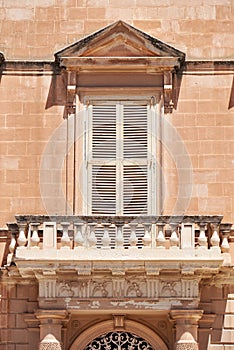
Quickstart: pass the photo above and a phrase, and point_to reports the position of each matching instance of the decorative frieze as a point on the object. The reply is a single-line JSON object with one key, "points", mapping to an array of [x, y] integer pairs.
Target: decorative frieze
{"points": [[127, 287]]}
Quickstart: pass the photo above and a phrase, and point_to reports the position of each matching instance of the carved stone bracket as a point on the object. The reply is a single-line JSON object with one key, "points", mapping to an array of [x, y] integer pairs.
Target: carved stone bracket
{"points": [[168, 89], [71, 92]]}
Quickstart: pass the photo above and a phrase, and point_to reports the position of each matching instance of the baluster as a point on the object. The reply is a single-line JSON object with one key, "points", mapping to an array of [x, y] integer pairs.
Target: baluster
{"points": [[161, 240], [65, 240], [22, 238], [12, 244], [119, 239], [11, 250], [225, 247], [106, 237], [174, 239], [92, 239], [133, 237], [78, 237], [35, 238], [225, 233], [147, 239], [215, 240], [202, 239]]}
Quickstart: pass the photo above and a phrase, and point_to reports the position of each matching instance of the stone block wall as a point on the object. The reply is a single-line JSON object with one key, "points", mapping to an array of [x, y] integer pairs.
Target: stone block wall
{"points": [[205, 122], [32, 107], [18, 302], [219, 303], [203, 116], [26, 126], [38, 29]]}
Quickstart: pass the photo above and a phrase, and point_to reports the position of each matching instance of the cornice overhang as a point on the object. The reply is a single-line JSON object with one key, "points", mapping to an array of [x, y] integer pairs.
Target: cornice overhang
{"points": [[209, 67], [120, 45], [94, 64]]}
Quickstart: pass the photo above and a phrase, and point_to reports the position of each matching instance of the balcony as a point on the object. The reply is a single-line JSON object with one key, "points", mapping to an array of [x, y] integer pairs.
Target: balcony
{"points": [[120, 238], [114, 263]]}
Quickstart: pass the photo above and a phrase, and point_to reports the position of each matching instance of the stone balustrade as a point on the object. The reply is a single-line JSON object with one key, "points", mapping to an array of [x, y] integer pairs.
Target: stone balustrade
{"points": [[162, 236]]}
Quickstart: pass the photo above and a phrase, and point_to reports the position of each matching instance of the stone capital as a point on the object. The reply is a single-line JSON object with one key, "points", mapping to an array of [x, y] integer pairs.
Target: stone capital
{"points": [[51, 316], [51, 323], [186, 325], [186, 316]]}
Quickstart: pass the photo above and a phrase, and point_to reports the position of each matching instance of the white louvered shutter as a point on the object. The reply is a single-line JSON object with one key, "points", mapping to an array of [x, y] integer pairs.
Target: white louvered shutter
{"points": [[135, 159], [103, 159], [119, 163]]}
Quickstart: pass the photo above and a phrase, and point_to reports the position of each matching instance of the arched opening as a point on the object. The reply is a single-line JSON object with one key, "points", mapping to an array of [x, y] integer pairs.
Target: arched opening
{"points": [[119, 340], [133, 336]]}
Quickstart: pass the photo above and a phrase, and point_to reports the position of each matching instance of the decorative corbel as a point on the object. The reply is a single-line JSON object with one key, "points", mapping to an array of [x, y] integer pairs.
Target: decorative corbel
{"points": [[167, 89], [71, 93]]}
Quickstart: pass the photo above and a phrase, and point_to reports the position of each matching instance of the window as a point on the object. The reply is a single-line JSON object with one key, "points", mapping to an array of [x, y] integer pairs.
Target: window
{"points": [[120, 157]]}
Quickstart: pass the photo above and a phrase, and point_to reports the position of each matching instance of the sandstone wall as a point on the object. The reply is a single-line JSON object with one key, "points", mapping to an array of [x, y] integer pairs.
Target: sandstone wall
{"points": [[203, 118], [37, 29]]}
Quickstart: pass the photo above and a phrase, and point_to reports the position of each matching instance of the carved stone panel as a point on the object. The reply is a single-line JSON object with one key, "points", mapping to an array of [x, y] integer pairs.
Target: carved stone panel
{"points": [[122, 287]]}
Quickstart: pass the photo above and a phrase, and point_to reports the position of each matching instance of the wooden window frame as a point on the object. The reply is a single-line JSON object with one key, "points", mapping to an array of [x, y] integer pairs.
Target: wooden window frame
{"points": [[153, 131]]}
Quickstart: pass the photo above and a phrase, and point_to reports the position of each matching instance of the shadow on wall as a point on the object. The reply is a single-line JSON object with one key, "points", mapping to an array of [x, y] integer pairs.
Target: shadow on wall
{"points": [[58, 90], [177, 79], [231, 100], [2, 59]]}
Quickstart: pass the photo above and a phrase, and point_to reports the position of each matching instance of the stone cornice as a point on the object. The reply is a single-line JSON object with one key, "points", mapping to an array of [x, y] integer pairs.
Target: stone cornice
{"points": [[27, 67], [165, 219], [209, 66], [45, 67]]}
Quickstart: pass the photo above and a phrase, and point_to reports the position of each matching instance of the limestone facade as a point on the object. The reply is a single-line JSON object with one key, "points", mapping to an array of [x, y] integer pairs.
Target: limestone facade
{"points": [[77, 274]]}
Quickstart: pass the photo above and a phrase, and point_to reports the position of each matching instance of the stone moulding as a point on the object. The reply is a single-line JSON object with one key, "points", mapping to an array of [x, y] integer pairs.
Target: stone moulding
{"points": [[121, 47], [108, 326]]}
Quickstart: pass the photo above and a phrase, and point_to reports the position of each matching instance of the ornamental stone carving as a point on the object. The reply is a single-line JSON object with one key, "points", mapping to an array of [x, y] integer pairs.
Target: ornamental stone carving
{"points": [[169, 289], [50, 346], [66, 290], [187, 346], [100, 289], [119, 287], [50, 343], [134, 290]]}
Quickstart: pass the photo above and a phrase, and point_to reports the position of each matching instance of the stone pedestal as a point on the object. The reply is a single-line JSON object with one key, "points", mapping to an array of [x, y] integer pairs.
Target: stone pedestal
{"points": [[186, 324], [51, 322]]}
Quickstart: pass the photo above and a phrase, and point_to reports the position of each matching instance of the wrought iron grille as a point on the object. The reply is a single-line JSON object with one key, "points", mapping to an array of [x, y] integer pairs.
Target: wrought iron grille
{"points": [[119, 341]]}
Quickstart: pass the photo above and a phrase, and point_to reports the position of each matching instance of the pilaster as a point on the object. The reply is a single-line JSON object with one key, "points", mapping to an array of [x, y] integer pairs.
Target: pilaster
{"points": [[186, 325], [51, 323]]}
